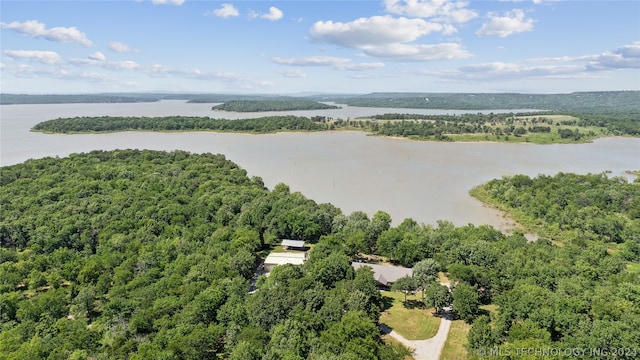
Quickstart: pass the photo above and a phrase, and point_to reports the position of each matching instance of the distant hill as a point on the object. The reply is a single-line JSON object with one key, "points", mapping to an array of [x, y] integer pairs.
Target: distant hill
{"points": [[272, 105], [600, 101], [591, 102]]}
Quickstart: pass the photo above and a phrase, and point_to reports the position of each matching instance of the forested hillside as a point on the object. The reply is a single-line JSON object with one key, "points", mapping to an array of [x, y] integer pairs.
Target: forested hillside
{"points": [[148, 255], [271, 105], [570, 207], [598, 101]]}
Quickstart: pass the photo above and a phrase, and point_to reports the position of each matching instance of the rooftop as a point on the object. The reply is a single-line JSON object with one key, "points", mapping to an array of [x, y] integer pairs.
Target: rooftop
{"points": [[281, 258], [292, 243], [385, 274]]}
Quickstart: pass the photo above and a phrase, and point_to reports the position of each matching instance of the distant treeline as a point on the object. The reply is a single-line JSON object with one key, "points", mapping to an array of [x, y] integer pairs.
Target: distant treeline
{"points": [[14, 99], [271, 105], [601, 101], [609, 102], [177, 123], [572, 207]]}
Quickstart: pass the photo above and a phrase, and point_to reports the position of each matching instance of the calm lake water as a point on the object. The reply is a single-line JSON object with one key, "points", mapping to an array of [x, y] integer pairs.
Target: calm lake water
{"points": [[427, 181]]}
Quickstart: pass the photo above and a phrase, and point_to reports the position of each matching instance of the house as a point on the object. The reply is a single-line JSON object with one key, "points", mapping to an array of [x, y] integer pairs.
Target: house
{"points": [[292, 244], [385, 275], [280, 258]]}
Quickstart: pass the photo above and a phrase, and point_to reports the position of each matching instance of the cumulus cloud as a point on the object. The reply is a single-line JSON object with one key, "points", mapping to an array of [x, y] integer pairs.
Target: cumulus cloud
{"points": [[98, 56], [46, 57], [120, 47], [36, 29], [389, 38], [417, 52], [623, 57], [511, 22], [373, 31], [443, 10], [167, 2], [274, 14], [226, 11]]}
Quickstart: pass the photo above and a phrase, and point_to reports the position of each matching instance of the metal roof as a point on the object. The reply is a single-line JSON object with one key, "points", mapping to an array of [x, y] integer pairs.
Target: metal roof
{"points": [[292, 243], [281, 258]]}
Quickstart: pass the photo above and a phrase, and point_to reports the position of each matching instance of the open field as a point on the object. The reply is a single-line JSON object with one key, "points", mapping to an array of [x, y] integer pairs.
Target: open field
{"points": [[417, 323], [454, 346]]}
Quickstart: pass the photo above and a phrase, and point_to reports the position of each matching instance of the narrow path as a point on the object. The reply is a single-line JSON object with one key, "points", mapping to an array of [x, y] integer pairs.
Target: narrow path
{"points": [[429, 349]]}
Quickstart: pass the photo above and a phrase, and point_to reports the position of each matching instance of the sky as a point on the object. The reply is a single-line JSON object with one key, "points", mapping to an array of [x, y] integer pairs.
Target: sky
{"points": [[304, 46]]}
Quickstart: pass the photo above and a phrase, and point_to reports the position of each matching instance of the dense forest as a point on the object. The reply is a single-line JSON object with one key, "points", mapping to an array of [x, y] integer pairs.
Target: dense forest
{"points": [[570, 207], [148, 255], [177, 123], [271, 105], [143, 254], [521, 127], [599, 101]]}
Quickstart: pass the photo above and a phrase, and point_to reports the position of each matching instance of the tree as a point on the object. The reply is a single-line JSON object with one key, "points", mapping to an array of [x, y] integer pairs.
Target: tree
{"points": [[481, 334], [406, 284], [465, 301], [425, 272], [437, 296]]}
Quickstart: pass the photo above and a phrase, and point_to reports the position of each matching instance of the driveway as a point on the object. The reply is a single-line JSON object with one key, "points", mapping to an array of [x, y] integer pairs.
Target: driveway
{"points": [[429, 349]]}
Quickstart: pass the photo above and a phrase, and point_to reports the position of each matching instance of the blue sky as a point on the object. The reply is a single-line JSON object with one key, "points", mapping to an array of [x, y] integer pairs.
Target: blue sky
{"points": [[298, 46]]}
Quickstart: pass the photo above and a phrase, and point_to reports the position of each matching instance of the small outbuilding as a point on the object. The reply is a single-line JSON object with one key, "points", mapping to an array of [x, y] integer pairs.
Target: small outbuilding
{"points": [[280, 258], [385, 275], [292, 244]]}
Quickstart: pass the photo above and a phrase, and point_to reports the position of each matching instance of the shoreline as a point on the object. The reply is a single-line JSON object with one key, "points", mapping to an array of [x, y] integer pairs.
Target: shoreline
{"points": [[366, 133]]}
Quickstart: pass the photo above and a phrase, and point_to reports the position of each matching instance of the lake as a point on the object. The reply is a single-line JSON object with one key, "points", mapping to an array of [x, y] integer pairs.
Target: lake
{"points": [[426, 181]]}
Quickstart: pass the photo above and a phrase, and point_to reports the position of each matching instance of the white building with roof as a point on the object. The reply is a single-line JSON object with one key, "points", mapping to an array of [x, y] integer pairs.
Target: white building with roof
{"points": [[280, 258]]}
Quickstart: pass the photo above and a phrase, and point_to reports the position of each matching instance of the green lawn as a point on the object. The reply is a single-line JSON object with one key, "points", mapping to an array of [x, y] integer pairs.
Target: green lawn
{"points": [[414, 322], [391, 341], [454, 346]]}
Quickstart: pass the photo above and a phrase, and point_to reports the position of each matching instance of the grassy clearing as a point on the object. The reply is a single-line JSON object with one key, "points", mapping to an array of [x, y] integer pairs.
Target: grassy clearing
{"points": [[413, 321], [391, 341], [491, 308], [454, 346]]}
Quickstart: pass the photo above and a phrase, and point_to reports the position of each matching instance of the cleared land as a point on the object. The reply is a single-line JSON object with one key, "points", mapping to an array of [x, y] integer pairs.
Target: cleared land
{"points": [[454, 346], [413, 321]]}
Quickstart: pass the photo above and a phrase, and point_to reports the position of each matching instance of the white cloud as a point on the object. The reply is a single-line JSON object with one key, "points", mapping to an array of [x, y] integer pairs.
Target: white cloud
{"points": [[98, 56], [373, 31], [337, 63], [444, 10], [416, 52], [167, 2], [293, 73], [311, 61], [362, 66], [120, 47], [226, 11], [36, 29], [46, 57], [274, 14], [624, 57], [100, 60], [511, 22]]}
